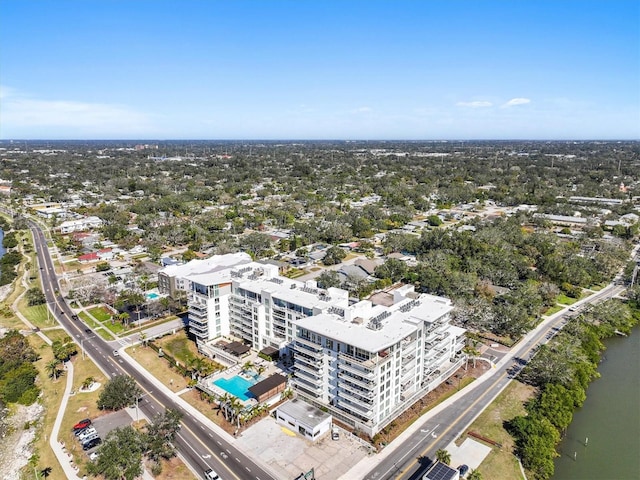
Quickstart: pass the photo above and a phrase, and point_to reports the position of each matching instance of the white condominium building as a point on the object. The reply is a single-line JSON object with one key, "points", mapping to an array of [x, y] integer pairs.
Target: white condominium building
{"points": [[173, 278], [254, 303], [367, 363]]}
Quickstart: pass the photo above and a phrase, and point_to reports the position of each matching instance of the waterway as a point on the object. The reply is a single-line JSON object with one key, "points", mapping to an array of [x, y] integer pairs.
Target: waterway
{"points": [[603, 441], [2, 249]]}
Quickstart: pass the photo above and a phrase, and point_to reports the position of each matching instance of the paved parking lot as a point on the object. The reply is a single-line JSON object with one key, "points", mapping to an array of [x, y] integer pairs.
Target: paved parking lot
{"points": [[106, 423], [289, 455]]}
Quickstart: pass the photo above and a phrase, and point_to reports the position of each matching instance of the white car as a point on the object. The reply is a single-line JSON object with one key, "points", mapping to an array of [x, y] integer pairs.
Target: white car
{"points": [[116, 353], [211, 475], [93, 455]]}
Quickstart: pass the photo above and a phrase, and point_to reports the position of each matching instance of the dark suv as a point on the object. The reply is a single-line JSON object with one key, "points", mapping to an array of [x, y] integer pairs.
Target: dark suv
{"points": [[94, 442]]}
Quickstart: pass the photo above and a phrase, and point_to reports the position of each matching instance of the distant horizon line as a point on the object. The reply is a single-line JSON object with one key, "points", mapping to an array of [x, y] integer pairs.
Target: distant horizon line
{"points": [[352, 140]]}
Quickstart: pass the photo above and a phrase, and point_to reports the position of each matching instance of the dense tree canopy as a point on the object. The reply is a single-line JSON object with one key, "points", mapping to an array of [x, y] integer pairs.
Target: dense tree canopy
{"points": [[119, 392]]}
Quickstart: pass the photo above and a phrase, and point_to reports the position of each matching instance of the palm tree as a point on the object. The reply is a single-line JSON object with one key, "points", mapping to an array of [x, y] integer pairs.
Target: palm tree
{"points": [[143, 338], [52, 368], [474, 475], [248, 366], [196, 365], [88, 382], [443, 456], [471, 350], [288, 393]]}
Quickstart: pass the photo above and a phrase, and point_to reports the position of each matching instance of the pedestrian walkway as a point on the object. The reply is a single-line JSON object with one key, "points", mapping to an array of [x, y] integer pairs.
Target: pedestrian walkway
{"points": [[64, 458]]}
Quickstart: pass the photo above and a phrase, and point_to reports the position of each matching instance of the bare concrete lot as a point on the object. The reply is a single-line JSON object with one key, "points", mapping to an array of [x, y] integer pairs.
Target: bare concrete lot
{"points": [[288, 454]]}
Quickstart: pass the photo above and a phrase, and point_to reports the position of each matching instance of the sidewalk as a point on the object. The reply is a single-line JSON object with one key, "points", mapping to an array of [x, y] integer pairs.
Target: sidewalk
{"points": [[64, 458]]}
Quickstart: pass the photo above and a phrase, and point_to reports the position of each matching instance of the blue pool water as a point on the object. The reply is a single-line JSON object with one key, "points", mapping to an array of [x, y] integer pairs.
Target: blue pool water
{"points": [[152, 295], [236, 386]]}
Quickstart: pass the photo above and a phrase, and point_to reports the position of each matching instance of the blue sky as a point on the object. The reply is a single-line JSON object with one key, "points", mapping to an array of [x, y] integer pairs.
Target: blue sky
{"points": [[266, 69]]}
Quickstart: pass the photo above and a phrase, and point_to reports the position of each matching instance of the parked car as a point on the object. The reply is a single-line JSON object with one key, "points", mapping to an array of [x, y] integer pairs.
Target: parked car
{"points": [[87, 433], [93, 443], [211, 475], [90, 439], [93, 456], [82, 424], [463, 469], [335, 434], [81, 432]]}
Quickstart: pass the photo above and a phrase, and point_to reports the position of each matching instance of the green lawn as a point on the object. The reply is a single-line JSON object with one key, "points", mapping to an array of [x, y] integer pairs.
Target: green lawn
{"points": [[38, 315], [104, 334], [116, 328], [501, 463], [88, 319], [100, 313], [563, 299], [554, 309], [57, 334]]}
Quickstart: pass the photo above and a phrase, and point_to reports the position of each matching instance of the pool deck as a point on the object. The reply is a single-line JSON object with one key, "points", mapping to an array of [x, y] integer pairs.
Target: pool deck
{"points": [[237, 369]]}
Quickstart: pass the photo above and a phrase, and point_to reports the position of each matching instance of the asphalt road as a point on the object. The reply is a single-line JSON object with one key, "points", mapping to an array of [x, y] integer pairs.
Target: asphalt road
{"points": [[200, 447], [410, 459]]}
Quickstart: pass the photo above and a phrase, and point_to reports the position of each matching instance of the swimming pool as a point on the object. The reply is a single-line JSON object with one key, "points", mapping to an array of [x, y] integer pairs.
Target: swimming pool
{"points": [[236, 386], [152, 295]]}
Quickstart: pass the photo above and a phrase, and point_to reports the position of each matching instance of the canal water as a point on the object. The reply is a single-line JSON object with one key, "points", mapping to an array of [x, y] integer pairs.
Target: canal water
{"points": [[603, 441]]}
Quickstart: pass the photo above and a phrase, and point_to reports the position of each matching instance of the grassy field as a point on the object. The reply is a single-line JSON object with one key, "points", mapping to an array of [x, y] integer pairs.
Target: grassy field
{"points": [[554, 309], [88, 319], [158, 367], [39, 315], [116, 327], [564, 300], [100, 313], [501, 463], [56, 334], [52, 391], [105, 334], [179, 347]]}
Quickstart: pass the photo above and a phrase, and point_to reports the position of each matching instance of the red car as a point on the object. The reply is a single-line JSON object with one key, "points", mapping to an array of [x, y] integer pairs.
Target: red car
{"points": [[82, 424]]}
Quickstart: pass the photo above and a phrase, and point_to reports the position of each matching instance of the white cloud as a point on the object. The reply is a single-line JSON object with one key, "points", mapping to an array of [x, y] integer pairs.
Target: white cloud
{"points": [[516, 101], [476, 104], [362, 110], [23, 112]]}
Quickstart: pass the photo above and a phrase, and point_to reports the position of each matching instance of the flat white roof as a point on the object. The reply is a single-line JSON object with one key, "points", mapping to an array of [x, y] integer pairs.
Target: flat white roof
{"points": [[212, 264], [394, 328]]}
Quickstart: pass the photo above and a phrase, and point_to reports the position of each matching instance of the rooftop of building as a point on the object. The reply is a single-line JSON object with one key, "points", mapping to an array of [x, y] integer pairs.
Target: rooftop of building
{"points": [[376, 327], [310, 415], [212, 264]]}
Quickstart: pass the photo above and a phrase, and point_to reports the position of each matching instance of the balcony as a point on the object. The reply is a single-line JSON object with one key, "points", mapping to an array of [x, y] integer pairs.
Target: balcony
{"points": [[368, 384], [356, 399], [360, 392], [308, 360], [309, 387], [309, 376], [302, 348], [202, 327], [309, 344], [363, 410], [357, 371], [368, 364], [306, 368]]}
